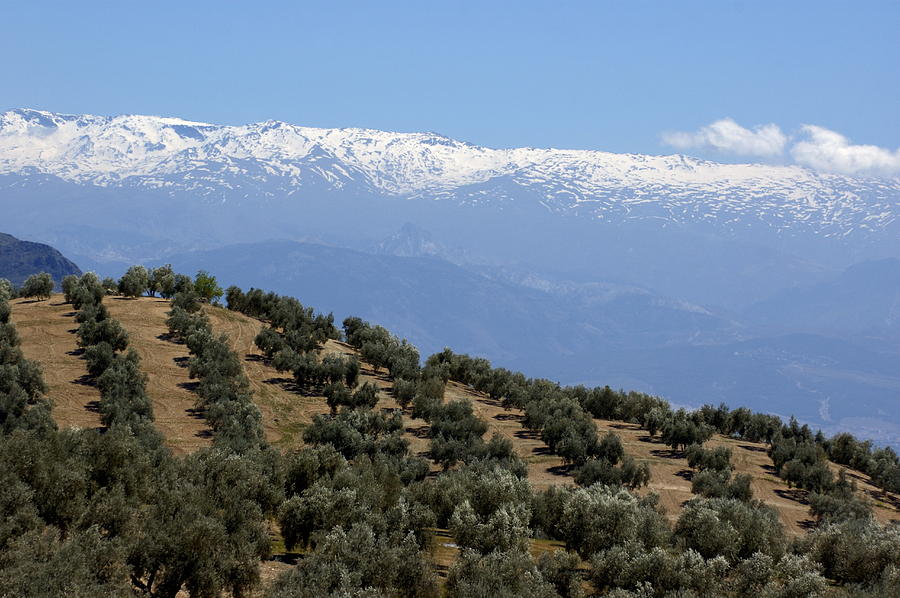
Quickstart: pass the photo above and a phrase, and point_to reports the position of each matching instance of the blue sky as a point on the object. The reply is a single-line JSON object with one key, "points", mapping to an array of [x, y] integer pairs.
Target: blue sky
{"points": [[614, 76]]}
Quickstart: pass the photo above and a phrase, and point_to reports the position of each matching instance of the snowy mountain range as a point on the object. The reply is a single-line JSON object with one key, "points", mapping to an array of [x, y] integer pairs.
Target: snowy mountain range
{"points": [[277, 159]]}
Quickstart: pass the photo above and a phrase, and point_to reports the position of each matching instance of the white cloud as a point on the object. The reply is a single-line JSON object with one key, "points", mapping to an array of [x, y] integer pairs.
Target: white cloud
{"points": [[822, 149], [727, 136]]}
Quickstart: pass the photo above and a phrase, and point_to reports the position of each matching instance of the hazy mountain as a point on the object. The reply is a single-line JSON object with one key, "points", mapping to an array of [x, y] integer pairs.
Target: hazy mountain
{"points": [[725, 234], [21, 259], [862, 300], [411, 241], [830, 382], [436, 303], [429, 300]]}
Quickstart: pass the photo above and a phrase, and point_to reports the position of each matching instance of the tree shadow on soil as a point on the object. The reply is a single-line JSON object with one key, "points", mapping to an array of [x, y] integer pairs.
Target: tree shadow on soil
{"points": [[420, 431], [650, 439], [561, 470], [527, 435], [686, 474], [509, 417], [667, 453], [84, 380], [196, 413], [794, 494]]}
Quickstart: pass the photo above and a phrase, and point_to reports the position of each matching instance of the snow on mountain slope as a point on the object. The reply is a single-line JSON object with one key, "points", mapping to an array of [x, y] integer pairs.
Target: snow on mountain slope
{"points": [[280, 159]]}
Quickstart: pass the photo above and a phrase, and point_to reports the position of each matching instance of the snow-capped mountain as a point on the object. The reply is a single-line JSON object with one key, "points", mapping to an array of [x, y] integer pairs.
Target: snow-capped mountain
{"points": [[277, 159]]}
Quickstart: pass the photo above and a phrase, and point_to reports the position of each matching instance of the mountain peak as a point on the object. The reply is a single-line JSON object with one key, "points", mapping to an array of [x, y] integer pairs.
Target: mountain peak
{"points": [[278, 159]]}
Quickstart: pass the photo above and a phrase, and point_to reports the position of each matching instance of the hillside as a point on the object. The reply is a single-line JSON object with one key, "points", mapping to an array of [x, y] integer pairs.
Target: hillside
{"points": [[20, 259], [593, 333], [46, 330]]}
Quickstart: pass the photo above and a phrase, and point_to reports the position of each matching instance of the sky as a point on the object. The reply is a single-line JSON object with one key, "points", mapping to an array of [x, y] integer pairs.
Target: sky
{"points": [[731, 80]]}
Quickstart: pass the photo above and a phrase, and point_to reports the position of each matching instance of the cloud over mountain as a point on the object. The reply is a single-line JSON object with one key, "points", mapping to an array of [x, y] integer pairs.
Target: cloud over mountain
{"points": [[827, 150], [727, 136], [815, 147]]}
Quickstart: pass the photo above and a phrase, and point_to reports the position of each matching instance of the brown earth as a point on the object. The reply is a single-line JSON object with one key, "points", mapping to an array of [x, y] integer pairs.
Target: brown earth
{"points": [[47, 332], [165, 363], [45, 328], [48, 336]]}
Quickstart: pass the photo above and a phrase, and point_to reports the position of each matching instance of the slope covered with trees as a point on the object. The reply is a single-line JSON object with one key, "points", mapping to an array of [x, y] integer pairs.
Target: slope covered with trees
{"points": [[396, 456]]}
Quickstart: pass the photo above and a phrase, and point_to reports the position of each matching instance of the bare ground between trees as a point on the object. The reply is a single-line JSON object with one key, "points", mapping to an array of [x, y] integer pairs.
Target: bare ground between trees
{"points": [[45, 328], [47, 332]]}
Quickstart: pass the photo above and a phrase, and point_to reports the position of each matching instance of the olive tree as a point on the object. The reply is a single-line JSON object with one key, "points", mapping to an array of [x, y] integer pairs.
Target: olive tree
{"points": [[854, 551], [134, 282], [206, 287], [359, 563], [510, 574], [38, 285], [110, 286], [562, 569], [162, 281], [598, 517], [731, 528], [632, 566], [69, 284], [6, 290], [504, 529]]}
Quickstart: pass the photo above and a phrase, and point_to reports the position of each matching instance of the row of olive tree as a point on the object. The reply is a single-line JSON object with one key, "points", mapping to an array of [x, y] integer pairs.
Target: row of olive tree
{"points": [[718, 547], [109, 514], [223, 390], [163, 280], [678, 429], [724, 545], [123, 396], [22, 404]]}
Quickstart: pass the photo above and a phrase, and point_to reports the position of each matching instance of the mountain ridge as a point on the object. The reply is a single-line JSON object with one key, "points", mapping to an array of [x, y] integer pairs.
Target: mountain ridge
{"points": [[274, 158]]}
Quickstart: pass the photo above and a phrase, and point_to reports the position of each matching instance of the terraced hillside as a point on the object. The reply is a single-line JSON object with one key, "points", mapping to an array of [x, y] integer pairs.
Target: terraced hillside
{"points": [[47, 331]]}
